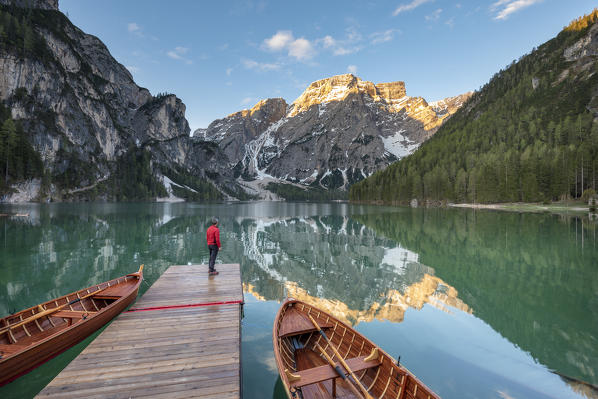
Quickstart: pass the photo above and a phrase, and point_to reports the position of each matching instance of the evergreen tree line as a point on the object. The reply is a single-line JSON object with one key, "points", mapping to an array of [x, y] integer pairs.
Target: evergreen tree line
{"points": [[203, 190], [18, 160], [291, 192], [17, 34], [525, 136], [133, 179]]}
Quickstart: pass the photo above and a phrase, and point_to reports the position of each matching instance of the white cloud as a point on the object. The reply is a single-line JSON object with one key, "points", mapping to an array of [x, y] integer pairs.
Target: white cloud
{"points": [[450, 22], [384, 36], [352, 69], [504, 8], [178, 54], [351, 43], [132, 69], [133, 27], [409, 6], [327, 41], [260, 66], [434, 16], [346, 50], [229, 71], [246, 100], [301, 49], [279, 41]]}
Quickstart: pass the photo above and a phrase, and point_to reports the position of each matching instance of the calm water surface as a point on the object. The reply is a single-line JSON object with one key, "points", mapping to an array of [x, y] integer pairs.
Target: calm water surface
{"points": [[478, 304]]}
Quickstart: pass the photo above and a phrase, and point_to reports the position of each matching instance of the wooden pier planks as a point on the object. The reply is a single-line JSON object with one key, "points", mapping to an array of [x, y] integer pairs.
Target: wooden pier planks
{"points": [[177, 352]]}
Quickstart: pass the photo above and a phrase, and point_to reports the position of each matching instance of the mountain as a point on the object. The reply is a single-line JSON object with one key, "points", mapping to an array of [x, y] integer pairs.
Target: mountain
{"points": [[530, 134], [340, 130], [86, 129]]}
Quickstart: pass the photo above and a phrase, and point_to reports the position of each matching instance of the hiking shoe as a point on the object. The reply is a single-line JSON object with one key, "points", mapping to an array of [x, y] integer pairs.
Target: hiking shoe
{"points": [[213, 273]]}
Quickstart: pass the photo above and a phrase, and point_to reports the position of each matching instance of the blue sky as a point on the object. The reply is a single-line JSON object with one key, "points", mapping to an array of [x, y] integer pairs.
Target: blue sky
{"points": [[223, 56]]}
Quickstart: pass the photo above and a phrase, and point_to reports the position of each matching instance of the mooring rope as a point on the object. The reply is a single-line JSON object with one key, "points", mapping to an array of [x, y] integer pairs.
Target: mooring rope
{"points": [[192, 305]]}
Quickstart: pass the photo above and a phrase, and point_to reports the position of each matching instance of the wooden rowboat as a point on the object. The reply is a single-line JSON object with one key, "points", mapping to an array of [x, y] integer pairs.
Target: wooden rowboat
{"points": [[35, 335], [336, 362]]}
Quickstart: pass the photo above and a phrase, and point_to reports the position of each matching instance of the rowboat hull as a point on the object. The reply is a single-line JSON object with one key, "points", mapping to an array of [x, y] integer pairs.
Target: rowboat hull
{"points": [[46, 337], [310, 364]]}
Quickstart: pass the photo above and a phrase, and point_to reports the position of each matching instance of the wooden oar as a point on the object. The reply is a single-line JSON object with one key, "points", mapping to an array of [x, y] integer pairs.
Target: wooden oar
{"points": [[339, 371], [47, 312], [354, 378]]}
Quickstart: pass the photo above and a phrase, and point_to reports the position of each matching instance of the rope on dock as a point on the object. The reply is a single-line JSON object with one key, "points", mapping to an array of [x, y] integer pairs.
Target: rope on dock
{"points": [[192, 305]]}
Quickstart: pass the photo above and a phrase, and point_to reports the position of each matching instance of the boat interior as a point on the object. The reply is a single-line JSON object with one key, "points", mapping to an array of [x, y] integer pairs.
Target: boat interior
{"points": [[25, 328], [308, 359]]}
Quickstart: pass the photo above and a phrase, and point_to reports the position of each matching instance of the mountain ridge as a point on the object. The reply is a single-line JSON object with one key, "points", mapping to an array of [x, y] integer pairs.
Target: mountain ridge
{"points": [[338, 131]]}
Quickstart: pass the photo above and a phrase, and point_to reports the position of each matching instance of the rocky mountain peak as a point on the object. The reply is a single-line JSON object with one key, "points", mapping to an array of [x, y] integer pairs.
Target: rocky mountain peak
{"points": [[337, 88], [42, 4], [340, 130], [271, 108]]}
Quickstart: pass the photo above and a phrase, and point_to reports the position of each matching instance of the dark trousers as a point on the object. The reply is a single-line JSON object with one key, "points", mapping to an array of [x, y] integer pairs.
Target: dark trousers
{"points": [[213, 254]]}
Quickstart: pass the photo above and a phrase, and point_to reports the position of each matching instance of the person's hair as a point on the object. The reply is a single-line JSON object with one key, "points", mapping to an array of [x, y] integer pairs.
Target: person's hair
{"points": [[214, 220]]}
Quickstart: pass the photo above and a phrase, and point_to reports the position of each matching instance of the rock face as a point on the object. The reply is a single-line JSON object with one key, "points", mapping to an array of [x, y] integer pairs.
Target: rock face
{"points": [[82, 107], [340, 130]]}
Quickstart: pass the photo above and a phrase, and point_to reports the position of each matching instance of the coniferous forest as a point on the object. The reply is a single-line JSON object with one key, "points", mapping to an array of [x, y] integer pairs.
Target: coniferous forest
{"points": [[18, 159], [530, 134]]}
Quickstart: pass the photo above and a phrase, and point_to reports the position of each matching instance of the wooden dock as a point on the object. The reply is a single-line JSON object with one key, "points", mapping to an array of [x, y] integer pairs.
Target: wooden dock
{"points": [[182, 339]]}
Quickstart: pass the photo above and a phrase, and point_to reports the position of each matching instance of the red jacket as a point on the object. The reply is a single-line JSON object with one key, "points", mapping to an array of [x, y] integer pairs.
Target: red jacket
{"points": [[213, 236]]}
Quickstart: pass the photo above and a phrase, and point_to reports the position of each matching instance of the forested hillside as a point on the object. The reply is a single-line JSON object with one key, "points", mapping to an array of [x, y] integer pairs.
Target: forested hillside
{"points": [[530, 134], [18, 160]]}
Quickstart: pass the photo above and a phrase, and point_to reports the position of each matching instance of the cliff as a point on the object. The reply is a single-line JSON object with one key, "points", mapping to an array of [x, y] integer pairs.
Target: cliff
{"points": [[83, 113]]}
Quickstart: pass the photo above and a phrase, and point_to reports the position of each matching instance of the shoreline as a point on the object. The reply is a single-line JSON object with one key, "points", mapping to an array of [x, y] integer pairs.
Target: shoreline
{"points": [[526, 207]]}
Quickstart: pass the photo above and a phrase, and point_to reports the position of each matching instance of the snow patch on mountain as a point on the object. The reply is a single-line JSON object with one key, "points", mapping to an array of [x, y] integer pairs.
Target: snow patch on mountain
{"points": [[399, 145]]}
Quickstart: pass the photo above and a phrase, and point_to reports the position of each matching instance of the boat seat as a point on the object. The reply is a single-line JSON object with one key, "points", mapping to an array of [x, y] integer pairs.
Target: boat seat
{"points": [[327, 372], [297, 323], [116, 291], [71, 314]]}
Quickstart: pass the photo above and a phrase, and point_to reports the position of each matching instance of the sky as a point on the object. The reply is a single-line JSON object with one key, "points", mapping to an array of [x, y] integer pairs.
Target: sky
{"points": [[220, 57]]}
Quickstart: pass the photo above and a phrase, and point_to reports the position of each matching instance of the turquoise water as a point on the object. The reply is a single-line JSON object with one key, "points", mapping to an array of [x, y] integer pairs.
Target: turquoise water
{"points": [[478, 304]]}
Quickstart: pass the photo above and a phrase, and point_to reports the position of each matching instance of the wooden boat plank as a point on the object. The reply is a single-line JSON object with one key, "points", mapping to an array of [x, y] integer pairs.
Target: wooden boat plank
{"points": [[10, 349]]}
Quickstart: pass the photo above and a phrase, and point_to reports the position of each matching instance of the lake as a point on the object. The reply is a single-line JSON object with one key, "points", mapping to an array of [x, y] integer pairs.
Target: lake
{"points": [[477, 303]]}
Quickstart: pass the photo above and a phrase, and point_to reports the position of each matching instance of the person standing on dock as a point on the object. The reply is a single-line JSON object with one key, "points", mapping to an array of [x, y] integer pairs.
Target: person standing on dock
{"points": [[213, 237]]}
